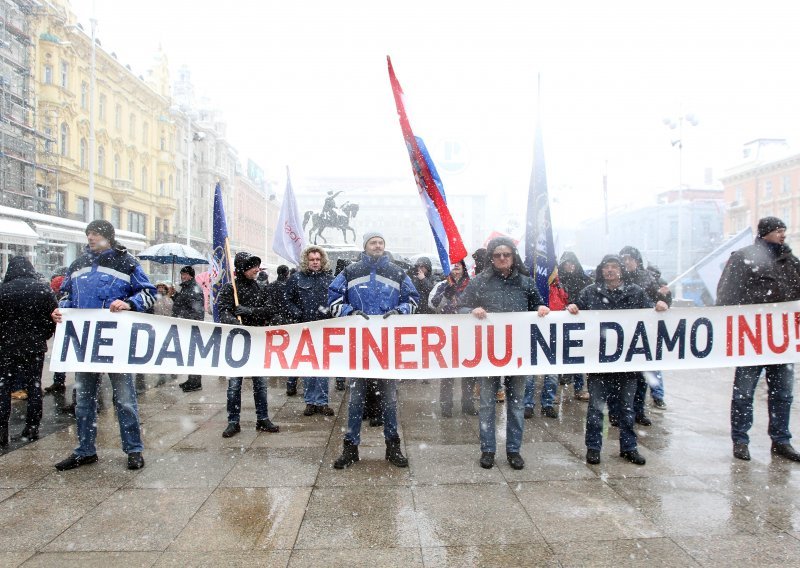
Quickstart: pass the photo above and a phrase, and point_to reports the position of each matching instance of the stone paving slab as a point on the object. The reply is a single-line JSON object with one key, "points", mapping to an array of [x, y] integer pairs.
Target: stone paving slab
{"points": [[261, 499]]}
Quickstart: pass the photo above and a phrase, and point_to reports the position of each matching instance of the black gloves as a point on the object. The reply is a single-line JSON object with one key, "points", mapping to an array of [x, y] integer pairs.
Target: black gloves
{"points": [[449, 292], [243, 311], [390, 313], [359, 313]]}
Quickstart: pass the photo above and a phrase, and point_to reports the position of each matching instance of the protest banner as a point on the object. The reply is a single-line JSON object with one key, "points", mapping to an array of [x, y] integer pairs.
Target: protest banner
{"points": [[433, 346]]}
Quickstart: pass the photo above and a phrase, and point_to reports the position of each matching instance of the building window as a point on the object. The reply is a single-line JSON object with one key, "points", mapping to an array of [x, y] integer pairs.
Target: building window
{"points": [[163, 142], [64, 139], [48, 139], [171, 186], [739, 195], [166, 226], [144, 178], [99, 210], [82, 154], [101, 161], [48, 75], [118, 117], [162, 187], [786, 185], [137, 222], [84, 95], [64, 75], [61, 202], [130, 171], [145, 133], [116, 166], [768, 188], [132, 126], [116, 216], [82, 208], [101, 108]]}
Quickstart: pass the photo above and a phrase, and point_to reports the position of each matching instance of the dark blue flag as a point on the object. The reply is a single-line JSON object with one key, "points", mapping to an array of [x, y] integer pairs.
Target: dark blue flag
{"points": [[221, 265], [540, 253]]}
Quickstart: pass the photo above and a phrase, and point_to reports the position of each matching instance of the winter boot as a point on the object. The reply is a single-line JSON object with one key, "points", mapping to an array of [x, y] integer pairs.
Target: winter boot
{"points": [[394, 455], [349, 456], [30, 433], [4, 436]]}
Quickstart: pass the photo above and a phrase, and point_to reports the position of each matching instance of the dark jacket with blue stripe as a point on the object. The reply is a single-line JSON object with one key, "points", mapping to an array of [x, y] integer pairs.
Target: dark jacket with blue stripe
{"points": [[374, 286], [95, 280]]}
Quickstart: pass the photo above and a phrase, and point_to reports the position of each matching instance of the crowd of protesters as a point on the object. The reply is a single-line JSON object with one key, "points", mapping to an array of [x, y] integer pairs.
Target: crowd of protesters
{"points": [[106, 276]]}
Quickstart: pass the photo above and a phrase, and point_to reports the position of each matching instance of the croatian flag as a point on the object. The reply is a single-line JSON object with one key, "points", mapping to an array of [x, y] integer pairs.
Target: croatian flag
{"points": [[448, 240], [221, 265], [289, 240], [540, 254]]}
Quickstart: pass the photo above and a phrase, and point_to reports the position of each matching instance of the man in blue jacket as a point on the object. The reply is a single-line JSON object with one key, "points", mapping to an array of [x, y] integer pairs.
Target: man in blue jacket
{"points": [[373, 286], [106, 276]]}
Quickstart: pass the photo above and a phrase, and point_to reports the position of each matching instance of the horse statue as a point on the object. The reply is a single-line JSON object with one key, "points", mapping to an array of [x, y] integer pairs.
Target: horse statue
{"points": [[341, 221]]}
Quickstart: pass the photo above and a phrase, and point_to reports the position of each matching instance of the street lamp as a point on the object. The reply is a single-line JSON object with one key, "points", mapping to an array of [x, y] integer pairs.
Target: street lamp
{"points": [[677, 124], [92, 163]]}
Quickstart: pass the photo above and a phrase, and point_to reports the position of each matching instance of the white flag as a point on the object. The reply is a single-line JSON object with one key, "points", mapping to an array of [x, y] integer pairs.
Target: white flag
{"points": [[709, 268], [289, 239]]}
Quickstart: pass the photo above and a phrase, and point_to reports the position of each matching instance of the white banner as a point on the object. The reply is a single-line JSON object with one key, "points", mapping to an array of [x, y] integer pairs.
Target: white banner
{"points": [[431, 346]]}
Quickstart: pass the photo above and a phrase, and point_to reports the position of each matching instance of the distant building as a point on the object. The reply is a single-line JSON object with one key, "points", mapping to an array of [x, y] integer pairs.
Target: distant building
{"points": [[766, 182], [653, 230], [253, 226]]}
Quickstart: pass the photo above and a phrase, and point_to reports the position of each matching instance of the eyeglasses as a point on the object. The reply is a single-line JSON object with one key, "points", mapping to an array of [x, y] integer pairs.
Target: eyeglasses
{"points": [[502, 254]]}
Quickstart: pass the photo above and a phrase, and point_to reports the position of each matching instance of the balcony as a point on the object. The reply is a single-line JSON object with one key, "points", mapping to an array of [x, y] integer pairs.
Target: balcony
{"points": [[121, 189], [166, 205], [736, 205]]}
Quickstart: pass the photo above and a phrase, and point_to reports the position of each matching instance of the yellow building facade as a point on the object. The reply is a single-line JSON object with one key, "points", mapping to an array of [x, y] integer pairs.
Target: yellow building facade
{"points": [[134, 148]]}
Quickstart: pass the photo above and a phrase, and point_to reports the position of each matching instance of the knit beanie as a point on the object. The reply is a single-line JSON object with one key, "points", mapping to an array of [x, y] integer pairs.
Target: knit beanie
{"points": [[371, 235], [188, 270], [103, 228], [769, 224]]}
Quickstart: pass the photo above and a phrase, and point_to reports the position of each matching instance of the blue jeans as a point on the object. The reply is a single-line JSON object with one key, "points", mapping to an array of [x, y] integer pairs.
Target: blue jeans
{"points": [[602, 388], [355, 409], [235, 398], [315, 390], [515, 408], [780, 383], [656, 381], [122, 385], [549, 389]]}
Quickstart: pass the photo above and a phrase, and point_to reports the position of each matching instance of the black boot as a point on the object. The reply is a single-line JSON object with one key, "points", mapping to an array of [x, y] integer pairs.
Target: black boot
{"points": [[394, 455], [30, 433], [3, 436], [349, 456], [194, 383]]}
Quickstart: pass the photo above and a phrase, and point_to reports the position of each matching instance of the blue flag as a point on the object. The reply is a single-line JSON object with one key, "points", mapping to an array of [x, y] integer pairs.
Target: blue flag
{"points": [[221, 265], [540, 253]]}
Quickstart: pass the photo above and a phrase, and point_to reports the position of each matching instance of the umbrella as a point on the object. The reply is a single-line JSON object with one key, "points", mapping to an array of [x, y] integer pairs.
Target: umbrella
{"points": [[172, 253]]}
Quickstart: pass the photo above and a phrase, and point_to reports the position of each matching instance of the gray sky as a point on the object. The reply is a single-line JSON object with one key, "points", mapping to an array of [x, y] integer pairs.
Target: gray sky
{"points": [[305, 84]]}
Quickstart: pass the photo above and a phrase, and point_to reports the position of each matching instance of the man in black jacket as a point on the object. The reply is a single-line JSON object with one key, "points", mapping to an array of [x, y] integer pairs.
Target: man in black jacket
{"points": [[253, 308], [189, 303], [612, 292], [25, 326], [502, 287], [762, 273]]}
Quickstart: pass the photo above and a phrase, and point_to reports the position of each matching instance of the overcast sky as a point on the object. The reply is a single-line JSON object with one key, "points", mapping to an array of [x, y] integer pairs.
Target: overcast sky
{"points": [[305, 84]]}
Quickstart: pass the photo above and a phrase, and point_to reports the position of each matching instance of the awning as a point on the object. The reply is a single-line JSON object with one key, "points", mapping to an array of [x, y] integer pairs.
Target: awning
{"points": [[63, 234], [133, 245], [17, 232]]}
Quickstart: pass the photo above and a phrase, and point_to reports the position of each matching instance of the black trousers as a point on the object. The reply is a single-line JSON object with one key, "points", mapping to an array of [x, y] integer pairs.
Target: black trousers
{"points": [[27, 368]]}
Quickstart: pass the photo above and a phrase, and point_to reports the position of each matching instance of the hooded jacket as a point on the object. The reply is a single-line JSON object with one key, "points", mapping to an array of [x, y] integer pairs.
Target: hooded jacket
{"points": [[566, 288], [25, 307], [643, 277], [494, 292], [96, 279], [598, 296], [374, 286], [758, 274], [424, 286], [188, 302]]}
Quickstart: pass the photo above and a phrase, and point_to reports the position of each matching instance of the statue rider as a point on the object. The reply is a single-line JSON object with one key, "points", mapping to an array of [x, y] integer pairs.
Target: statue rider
{"points": [[330, 212]]}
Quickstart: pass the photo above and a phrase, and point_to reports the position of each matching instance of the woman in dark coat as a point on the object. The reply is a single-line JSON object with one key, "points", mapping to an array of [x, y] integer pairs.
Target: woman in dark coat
{"points": [[25, 326]]}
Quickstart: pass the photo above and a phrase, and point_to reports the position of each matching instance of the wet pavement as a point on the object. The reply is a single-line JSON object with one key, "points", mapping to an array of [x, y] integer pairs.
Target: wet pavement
{"points": [[261, 499]]}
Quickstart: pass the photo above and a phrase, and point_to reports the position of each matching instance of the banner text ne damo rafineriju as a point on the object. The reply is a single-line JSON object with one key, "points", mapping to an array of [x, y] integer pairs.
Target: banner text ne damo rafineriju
{"points": [[430, 346]]}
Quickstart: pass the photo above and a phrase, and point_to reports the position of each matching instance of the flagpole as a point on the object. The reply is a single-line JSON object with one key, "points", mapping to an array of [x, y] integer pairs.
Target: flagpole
{"points": [[233, 278]]}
